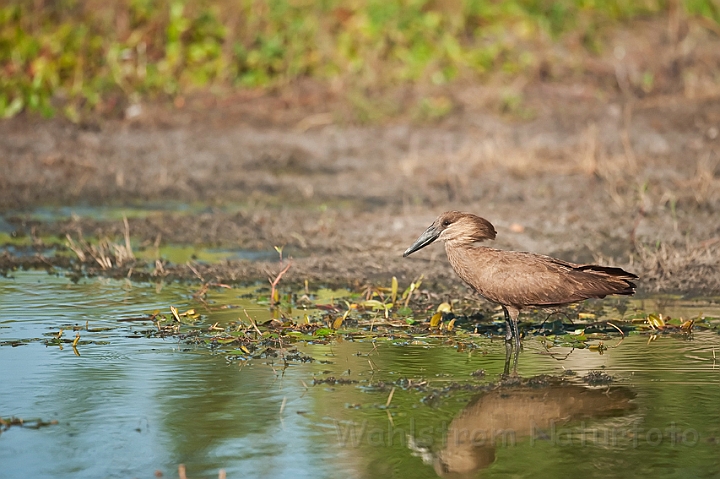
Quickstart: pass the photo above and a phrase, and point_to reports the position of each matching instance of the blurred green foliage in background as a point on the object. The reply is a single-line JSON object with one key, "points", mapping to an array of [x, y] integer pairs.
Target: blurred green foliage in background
{"points": [[72, 54]]}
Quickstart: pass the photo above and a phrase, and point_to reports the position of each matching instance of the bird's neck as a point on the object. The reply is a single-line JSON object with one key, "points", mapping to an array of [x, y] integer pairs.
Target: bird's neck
{"points": [[463, 258]]}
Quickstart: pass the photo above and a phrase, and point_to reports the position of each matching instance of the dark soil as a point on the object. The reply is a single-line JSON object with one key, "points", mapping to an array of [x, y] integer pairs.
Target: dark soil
{"points": [[595, 174]]}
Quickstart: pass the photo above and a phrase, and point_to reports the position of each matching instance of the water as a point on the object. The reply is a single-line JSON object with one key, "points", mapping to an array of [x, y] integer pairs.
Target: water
{"points": [[116, 213], [174, 253], [130, 405]]}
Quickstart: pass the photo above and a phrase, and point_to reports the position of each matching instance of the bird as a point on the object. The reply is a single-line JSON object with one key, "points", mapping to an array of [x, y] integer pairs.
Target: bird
{"points": [[517, 280]]}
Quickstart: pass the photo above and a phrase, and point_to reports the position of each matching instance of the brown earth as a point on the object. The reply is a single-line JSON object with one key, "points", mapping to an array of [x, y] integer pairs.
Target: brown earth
{"points": [[597, 173]]}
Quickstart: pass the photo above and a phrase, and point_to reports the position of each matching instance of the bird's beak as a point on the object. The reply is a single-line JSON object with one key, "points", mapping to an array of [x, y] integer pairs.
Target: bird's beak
{"points": [[430, 235]]}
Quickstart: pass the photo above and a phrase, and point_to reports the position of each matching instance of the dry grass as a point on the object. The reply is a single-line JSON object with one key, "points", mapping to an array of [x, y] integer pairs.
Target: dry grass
{"points": [[667, 267], [105, 253]]}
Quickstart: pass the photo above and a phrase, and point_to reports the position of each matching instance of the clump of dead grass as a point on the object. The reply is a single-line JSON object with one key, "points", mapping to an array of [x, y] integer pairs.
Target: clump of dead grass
{"points": [[106, 253]]}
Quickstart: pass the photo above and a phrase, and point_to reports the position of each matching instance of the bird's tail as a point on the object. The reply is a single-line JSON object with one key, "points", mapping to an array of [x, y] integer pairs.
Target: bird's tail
{"points": [[617, 280]]}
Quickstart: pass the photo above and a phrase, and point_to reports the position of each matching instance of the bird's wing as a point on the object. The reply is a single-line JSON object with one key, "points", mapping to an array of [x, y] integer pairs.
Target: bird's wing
{"points": [[527, 279]]}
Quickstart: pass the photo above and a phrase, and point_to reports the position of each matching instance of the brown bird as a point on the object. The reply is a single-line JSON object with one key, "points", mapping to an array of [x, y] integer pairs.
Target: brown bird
{"points": [[515, 279]]}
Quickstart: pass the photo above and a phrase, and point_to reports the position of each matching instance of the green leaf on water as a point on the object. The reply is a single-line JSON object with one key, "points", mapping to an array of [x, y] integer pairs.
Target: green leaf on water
{"points": [[322, 332], [404, 311], [656, 321], [373, 303]]}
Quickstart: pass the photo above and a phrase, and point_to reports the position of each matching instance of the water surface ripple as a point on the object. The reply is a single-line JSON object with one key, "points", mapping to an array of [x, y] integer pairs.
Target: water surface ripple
{"points": [[130, 405]]}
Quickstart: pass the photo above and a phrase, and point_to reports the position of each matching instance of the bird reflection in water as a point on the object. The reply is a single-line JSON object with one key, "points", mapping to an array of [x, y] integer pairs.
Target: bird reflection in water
{"points": [[519, 410]]}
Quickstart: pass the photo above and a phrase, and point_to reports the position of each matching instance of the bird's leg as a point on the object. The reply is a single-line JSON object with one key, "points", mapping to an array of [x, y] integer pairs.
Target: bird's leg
{"points": [[509, 329], [508, 355], [513, 313], [511, 354]]}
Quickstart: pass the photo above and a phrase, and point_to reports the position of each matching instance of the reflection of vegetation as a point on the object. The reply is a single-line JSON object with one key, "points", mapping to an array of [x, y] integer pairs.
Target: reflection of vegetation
{"points": [[94, 55], [211, 409], [7, 423]]}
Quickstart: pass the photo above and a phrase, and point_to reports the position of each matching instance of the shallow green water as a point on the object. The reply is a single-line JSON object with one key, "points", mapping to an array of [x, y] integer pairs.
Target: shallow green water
{"points": [[131, 405]]}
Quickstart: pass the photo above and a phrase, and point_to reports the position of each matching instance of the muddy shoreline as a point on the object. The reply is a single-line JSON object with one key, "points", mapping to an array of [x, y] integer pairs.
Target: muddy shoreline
{"points": [[633, 184]]}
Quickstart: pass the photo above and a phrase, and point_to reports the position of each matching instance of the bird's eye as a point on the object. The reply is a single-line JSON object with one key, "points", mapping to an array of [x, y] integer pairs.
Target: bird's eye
{"points": [[446, 223]]}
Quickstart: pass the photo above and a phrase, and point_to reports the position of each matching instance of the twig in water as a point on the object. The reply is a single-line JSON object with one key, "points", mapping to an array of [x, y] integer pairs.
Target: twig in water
{"points": [[413, 286], [128, 248], [389, 399], [195, 271], [553, 355], [620, 330], [252, 321], [159, 268], [274, 283]]}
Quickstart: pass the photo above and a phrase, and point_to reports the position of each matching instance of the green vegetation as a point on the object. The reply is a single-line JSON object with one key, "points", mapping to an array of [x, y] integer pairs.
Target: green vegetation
{"points": [[87, 55]]}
